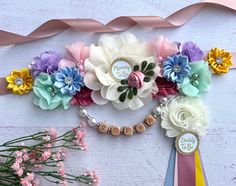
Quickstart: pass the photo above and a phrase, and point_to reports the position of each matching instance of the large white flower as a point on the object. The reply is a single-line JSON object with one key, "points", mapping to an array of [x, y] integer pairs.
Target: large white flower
{"points": [[113, 60], [182, 114]]}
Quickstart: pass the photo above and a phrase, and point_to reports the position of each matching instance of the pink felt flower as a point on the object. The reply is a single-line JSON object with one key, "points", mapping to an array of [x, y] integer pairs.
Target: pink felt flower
{"points": [[75, 57], [165, 88], [82, 98], [135, 79], [164, 47]]}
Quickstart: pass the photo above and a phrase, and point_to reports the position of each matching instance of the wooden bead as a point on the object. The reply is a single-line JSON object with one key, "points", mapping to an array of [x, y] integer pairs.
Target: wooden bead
{"points": [[140, 127], [115, 131], [150, 120], [103, 128], [128, 131]]}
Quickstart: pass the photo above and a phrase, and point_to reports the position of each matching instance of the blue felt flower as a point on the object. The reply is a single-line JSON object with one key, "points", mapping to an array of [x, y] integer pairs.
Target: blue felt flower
{"points": [[68, 80], [175, 68]]}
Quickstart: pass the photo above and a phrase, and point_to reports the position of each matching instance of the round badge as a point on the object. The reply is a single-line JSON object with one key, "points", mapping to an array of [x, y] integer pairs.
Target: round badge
{"points": [[187, 143], [120, 69]]}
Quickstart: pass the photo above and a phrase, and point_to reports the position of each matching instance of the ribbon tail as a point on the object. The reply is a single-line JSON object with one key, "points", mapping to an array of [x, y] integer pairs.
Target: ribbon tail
{"points": [[169, 180], [176, 170], [186, 170], [200, 173]]}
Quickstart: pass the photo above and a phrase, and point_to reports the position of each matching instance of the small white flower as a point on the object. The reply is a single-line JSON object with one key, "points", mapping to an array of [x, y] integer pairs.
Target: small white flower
{"points": [[182, 114], [100, 77]]}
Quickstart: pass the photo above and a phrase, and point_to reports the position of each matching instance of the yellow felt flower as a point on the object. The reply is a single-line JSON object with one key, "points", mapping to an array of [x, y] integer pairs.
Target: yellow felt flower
{"points": [[219, 60], [20, 81]]}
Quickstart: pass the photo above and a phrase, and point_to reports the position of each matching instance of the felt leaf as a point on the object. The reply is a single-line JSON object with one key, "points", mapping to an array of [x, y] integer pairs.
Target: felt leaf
{"points": [[121, 88], [136, 68], [123, 96], [130, 94], [143, 65]]}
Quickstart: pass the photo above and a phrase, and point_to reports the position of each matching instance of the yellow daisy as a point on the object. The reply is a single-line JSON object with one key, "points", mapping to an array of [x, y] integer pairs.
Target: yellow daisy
{"points": [[20, 81], [219, 60]]}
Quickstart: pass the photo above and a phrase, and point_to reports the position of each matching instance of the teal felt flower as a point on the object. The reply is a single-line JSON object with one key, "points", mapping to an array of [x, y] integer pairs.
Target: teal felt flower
{"points": [[46, 95], [198, 81]]}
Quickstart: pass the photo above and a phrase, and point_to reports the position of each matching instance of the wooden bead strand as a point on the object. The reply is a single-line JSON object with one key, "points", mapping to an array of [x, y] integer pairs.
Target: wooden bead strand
{"points": [[105, 128]]}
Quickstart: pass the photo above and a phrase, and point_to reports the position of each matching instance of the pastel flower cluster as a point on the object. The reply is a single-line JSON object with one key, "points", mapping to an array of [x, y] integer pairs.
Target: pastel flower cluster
{"points": [[119, 69], [59, 81]]}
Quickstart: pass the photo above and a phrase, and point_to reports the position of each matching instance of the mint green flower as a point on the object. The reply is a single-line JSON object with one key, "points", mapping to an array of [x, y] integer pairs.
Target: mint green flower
{"points": [[198, 81], [46, 95]]}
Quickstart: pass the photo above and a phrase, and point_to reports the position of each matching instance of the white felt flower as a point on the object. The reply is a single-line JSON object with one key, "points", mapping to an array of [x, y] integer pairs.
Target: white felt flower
{"points": [[182, 114], [128, 52]]}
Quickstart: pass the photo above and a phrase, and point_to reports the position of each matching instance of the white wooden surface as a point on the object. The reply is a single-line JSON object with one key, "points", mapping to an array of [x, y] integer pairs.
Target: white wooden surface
{"points": [[142, 159]]}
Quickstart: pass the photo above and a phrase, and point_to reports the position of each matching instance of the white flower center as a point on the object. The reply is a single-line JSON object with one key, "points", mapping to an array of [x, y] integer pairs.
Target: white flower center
{"points": [[120, 69], [219, 60], [176, 68], [68, 80], [19, 81]]}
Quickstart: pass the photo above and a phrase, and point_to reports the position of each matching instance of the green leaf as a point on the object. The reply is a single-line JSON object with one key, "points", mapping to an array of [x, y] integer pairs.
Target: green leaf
{"points": [[143, 65], [130, 94], [124, 81], [136, 68], [135, 91], [121, 88], [150, 73], [150, 66], [147, 79], [123, 96]]}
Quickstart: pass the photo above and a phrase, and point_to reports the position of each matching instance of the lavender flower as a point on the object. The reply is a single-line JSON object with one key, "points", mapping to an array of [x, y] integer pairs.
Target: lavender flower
{"points": [[47, 62], [191, 50]]}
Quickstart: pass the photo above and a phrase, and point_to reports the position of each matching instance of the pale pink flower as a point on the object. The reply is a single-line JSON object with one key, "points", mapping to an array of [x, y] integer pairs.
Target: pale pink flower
{"points": [[80, 135], [25, 156], [57, 156], [53, 133], [60, 164], [46, 138], [84, 146], [36, 182], [46, 155], [75, 57], [48, 145], [19, 160], [83, 124], [64, 183], [20, 172], [19, 153], [163, 47], [93, 176], [30, 176], [61, 171], [63, 153], [16, 166], [27, 180]]}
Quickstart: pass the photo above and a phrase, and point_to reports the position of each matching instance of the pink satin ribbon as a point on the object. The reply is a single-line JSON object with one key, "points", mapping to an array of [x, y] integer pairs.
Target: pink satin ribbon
{"points": [[186, 170], [3, 87], [56, 26]]}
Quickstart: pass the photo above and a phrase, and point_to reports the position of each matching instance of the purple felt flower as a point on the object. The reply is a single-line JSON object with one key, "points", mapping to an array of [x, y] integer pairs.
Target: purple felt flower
{"points": [[191, 50], [47, 62]]}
